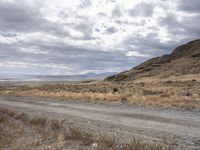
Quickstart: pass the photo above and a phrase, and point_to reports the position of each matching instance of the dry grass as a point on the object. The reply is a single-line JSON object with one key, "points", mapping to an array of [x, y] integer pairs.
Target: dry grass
{"points": [[139, 99], [174, 101], [107, 141], [24, 117], [6, 124], [62, 133], [39, 121], [57, 124], [77, 134], [182, 78], [76, 96], [168, 92], [137, 144]]}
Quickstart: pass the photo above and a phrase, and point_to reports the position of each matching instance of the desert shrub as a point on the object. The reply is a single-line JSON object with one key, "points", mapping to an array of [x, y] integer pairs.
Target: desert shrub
{"points": [[124, 100], [24, 117], [78, 134], [56, 124], [3, 118], [39, 121], [139, 144], [107, 141], [115, 90]]}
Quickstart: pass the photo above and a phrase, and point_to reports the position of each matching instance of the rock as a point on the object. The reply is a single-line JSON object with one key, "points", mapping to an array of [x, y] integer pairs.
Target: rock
{"points": [[49, 147], [94, 144]]}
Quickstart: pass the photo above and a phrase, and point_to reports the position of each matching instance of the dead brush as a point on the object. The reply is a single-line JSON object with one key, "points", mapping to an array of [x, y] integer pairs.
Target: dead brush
{"points": [[3, 118], [135, 145], [107, 141], [78, 134], [5, 137], [139, 144], [39, 121], [168, 141], [6, 130], [8, 112], [56, 124], [24, 117]]}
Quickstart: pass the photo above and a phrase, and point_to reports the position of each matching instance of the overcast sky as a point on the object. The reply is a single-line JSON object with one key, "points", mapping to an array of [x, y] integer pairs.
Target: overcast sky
{"points": [[81, 36]]}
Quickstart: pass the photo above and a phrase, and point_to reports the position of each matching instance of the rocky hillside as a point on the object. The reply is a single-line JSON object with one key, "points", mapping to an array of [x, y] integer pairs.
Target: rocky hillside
{"points": [[184, 59]]}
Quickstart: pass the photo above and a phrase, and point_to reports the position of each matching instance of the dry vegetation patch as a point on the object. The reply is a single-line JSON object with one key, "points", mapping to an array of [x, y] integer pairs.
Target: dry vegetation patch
{"points": [[21, 131], [168, 92]]}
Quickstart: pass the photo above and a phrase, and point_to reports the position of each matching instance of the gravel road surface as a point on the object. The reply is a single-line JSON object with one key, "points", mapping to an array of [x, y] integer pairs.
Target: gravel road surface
{"points": [[150, 123]]}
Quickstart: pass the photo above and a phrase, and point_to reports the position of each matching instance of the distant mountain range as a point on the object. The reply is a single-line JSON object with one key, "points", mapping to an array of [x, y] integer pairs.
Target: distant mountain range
{"points": [[81, 77], [88, 76]]}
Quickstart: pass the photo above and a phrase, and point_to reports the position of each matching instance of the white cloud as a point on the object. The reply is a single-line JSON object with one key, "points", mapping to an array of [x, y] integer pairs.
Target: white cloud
{"points": [[136, 54], [20, 64], [32, 51]]}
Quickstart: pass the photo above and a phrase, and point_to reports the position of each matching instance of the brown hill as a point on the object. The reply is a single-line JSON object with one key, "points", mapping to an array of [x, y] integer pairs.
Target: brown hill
{"points": [[185, 59]]}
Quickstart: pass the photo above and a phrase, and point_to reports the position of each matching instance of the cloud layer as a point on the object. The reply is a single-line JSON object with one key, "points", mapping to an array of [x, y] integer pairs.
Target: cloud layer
{"points": [[80, 36]]}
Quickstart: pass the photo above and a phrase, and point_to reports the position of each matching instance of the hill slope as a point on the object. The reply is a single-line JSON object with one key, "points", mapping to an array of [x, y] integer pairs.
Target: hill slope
{"points": [[185, 59]]}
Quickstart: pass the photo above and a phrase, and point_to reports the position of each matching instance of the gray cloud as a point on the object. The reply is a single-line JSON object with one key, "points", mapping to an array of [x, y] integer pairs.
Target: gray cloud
{"points": [[111, 30], [142, 9], [27, 18], [86, 3], [86, 28], [61, 54], [8, 35], [149, 45], [18, 16], [186, 27], [189, 6], [116, 12]]}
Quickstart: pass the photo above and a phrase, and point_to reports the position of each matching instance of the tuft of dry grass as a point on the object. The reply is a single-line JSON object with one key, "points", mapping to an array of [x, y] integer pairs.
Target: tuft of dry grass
{"points": [[57, 124], [3, 118], [135, 145], [107, 141], [8, 112], [24, 117], [77, 134], [39, 121], [6, 123]]}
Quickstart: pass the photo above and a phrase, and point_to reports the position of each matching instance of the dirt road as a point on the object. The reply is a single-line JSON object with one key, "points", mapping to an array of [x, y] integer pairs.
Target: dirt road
{"points": [[148, 122]]}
